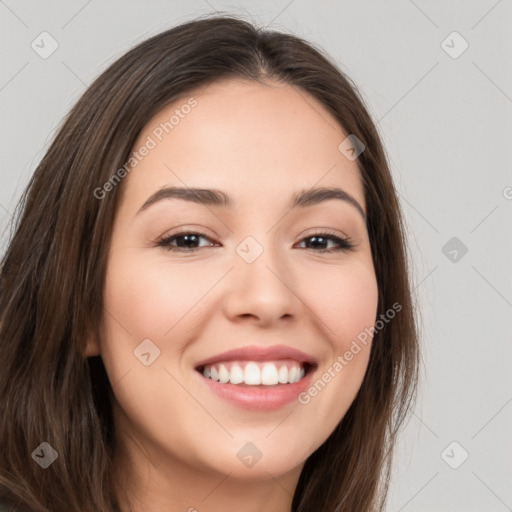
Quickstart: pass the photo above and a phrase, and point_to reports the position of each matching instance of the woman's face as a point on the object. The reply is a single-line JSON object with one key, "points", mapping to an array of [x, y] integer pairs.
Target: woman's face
{"points": [[257, 291]]}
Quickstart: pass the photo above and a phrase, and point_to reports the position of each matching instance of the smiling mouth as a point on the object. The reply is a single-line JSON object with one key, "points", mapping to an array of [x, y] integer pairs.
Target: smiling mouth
{"points": [[256, 373]]}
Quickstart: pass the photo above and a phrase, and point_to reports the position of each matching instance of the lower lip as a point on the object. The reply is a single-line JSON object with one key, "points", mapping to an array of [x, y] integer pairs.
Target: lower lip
{"points": [[259, 398]]}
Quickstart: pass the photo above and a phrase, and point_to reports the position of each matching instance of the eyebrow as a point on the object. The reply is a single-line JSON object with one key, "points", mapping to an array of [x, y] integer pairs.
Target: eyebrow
{"points": [[212, 197]]}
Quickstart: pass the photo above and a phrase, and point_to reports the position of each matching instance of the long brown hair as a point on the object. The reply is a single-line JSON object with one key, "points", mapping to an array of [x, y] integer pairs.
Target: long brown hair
{"points": [[52, 275]]}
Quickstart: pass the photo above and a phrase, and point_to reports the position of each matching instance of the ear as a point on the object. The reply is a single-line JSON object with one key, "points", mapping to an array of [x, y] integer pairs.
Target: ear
{"points": [[91, 347]]}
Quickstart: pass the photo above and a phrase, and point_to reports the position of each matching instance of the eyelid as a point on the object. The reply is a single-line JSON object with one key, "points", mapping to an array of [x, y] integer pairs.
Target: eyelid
{"points": [[323, 231], [188, 229]]}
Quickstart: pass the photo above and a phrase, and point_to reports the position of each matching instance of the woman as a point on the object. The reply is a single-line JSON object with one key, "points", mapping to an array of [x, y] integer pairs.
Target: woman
{"points": [[205, 304]]}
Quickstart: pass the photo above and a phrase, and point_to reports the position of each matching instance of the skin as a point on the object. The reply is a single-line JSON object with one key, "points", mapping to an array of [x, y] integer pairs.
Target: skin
{"points": [[259, 143]]}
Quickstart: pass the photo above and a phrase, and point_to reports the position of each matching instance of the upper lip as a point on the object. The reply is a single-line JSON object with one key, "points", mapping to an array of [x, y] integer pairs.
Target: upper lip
{"points": [[258, 353]]}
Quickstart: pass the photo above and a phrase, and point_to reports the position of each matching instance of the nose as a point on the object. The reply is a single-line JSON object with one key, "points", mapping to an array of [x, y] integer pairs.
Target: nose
{"points": [[265, 291]]}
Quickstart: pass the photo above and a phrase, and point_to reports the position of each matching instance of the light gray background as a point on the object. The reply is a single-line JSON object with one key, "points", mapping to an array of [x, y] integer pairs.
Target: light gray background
{"points": [[446, 125]]}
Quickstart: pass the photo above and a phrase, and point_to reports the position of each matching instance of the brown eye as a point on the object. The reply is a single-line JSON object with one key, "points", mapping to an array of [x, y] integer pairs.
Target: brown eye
{"points": [[184, 242], [318, 242], [188, 242]]}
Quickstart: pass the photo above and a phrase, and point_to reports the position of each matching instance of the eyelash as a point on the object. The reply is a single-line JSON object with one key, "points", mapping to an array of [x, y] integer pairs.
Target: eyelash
{"points": [[344, 244]]}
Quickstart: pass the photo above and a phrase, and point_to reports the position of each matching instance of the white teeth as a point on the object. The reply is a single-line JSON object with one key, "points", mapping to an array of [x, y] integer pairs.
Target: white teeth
{"points": [[252, 373], [283, 375], [236, 375], [223, 374], [269, 375]]}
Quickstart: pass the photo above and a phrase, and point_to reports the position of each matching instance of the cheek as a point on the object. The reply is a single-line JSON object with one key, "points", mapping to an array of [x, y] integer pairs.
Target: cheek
{"points": [[139, 306], [345, 300], [149, 299]]}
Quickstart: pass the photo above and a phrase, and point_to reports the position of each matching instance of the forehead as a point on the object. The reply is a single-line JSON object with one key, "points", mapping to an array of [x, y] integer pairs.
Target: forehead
{"points": [[251, 139]]}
